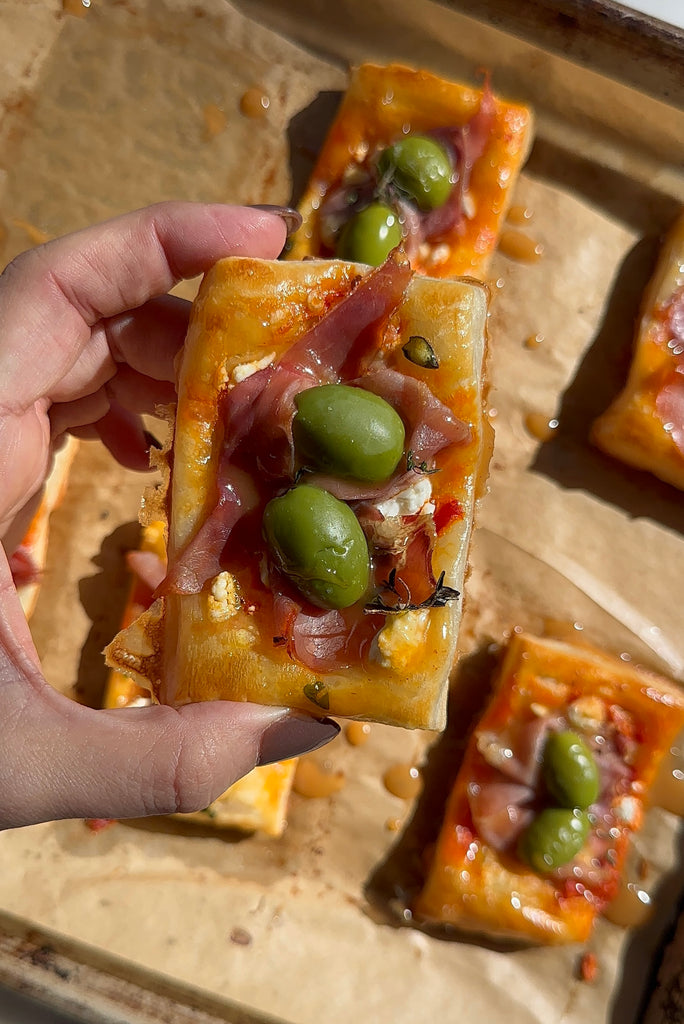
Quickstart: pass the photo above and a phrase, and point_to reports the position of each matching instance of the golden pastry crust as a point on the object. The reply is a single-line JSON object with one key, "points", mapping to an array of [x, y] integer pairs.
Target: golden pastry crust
{"points": [[381, 105], [474, 886], [248, 311], [636, 428]]}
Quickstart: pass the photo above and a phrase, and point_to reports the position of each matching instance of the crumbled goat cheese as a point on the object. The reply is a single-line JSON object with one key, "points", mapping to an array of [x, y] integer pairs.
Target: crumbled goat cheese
{"points": [[401, 639], [411, 500], [223, 600]]}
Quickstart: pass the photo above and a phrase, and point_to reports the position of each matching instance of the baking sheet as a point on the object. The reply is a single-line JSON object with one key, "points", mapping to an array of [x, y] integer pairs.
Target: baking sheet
{"points": [[108, 111]]}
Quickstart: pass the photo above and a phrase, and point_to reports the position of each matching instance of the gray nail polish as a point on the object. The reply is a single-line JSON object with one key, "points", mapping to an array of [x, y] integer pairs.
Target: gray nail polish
{"points": [[293, 735], [293, 219]]}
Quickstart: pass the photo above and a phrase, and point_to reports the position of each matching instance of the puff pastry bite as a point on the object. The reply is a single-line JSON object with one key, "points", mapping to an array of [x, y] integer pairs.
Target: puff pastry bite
{"points": [[554, 781], [328, 448], [644, 426], [411, 154], [257, 802], [27, 562]]}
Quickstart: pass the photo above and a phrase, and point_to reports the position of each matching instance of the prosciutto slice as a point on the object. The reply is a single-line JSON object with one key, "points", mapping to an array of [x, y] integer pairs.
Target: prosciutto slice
{"points": [[147, 566], [23, 568], [257, 414], [466, 145], [431, 426], [499, 810]]}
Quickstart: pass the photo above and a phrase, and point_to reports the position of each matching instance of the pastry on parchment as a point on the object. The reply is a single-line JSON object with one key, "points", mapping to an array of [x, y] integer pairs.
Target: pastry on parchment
{"points": [[644, 426], [413, 157], [554, 781]]}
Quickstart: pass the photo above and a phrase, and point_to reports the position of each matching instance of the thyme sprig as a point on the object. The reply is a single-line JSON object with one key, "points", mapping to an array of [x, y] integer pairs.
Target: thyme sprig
{"points": [[418, 467], [439, 597]]}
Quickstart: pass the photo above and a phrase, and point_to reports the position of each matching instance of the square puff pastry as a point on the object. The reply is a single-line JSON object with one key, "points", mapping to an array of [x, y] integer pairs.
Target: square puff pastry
{"points": [[644, 426], [385, 103], [257, 802], [219, 643], [629, 718]]}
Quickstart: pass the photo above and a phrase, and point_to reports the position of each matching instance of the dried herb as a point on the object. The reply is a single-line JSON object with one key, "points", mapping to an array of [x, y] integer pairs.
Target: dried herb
{"points": [[439, 597], [418, 350], [318, 694], [418, 467], [279, 641]]}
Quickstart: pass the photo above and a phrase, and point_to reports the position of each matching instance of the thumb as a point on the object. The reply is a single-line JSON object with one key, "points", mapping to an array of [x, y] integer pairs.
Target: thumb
{"points": [[63, 760], [59, 759]]}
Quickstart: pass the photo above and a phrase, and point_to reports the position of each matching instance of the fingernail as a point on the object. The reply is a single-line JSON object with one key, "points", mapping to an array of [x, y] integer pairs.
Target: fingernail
{"points": [[293, 219], [294, 735], [151, 441]]}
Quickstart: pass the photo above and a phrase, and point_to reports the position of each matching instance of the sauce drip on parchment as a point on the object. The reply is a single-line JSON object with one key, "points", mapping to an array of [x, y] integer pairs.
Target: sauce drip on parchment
{"points": [[314, 782], [403, 780], [519, 215], [254, 103], [519, 246], [357, 733], [541, 427]]}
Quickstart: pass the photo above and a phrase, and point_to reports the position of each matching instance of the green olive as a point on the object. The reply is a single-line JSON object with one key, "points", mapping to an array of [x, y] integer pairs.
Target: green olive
{"points": [[318, 543], [370, 235], [553, 838], [421, 168], [570, 770], [347, 431]]}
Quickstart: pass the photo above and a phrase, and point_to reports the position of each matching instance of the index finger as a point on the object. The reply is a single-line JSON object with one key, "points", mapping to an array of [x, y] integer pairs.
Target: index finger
{"points": [[54, 294]]}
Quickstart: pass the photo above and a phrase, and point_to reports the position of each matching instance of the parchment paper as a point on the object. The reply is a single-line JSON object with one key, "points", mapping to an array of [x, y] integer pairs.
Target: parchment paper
{"points": [[107, 112]]}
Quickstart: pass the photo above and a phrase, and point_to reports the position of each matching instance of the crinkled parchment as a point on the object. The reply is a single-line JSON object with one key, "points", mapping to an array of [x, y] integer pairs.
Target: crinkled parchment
{"points": [[116, 109]]}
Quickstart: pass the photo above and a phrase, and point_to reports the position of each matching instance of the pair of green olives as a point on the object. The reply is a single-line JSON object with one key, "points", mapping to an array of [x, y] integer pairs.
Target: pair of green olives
{"points": [[314, 538], [571, 775], [421, 169]]}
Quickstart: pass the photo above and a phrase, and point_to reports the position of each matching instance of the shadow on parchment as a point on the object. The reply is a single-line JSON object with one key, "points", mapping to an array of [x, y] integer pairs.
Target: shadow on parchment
{"points": [[103, 597], [640, 206], [306, 133], [569, 458]]}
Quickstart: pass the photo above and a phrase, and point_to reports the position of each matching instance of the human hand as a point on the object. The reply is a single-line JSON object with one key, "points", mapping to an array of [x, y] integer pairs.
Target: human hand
{"points": [[88, 338]]}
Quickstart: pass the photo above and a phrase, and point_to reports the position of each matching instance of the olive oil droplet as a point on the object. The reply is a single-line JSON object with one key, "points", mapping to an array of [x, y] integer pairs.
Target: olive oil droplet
{"points": [[313, 782], [254, 103], [357, 733], [519, 215], [403, 780], [540, 426], [519, 246]]}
